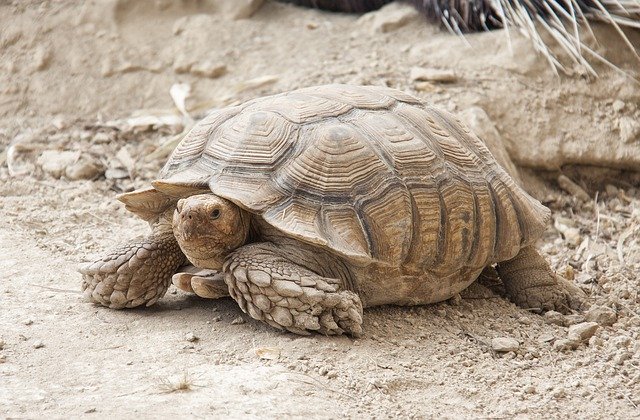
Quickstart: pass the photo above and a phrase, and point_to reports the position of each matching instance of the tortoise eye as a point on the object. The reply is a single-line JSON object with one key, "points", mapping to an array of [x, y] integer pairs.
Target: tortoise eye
{"points": [[215, 214]]}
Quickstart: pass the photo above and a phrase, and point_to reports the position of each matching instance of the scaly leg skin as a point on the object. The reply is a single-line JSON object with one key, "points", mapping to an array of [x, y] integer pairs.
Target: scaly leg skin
{"points": [[138, 273], [208, 284], [271, 288], [531, 284]]}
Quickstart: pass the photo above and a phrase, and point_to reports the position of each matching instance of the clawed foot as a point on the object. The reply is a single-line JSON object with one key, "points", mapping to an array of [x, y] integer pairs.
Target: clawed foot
{"points": [[208, 284]]}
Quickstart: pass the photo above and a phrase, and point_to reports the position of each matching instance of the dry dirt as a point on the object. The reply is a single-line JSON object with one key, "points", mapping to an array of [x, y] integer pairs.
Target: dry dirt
{"points": [[70, 76]]}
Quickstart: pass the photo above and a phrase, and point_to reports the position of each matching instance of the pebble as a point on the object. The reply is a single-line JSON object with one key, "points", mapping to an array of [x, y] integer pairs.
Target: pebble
{"points": [[553, 317], [2, 344], [422, 74], [191, 337], [563, 344], [38, 344], [621, 357], [3, 358], [208, 69], [504, 344], [42, 58], [618, 105], [241, 9], [602, 315], [238, 320], [389, 18], [573, 319], [55, 162], [583, 331], [84, 169], [28, 321], [216, 319]]}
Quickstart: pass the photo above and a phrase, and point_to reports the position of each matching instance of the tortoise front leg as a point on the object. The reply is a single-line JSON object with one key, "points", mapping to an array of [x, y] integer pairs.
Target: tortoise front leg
{"points": [[273, 288], [136, 273]]}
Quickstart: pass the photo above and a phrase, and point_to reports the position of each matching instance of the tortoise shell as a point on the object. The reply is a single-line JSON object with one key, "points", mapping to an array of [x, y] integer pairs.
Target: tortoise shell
{"points": [[369, 173]]}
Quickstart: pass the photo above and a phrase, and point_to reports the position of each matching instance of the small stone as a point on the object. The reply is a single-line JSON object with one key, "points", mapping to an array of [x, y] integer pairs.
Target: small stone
{"points": [[42, 58], [530, 389], [618, 105], [240, 9], [208, 69], [602, 315], [621, 357], [28, 321], [55, 162], [389, 18], [191, 337], [238, 320], [421, 74], [504, 344], [2, 344], [573, 319], [3, 358], [583, 331], [553, 317], [38, 344], [90, 410], [629, 129], [563, 345], [85, 168], [611, 190], [216, 319]]}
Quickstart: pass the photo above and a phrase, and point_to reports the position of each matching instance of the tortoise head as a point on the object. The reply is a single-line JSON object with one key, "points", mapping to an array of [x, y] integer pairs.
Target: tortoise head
{"points": [[208, 228]]}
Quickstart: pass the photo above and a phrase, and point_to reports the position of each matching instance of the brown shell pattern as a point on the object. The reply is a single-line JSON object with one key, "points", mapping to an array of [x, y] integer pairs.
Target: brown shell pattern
{"points": [[371, 173]]}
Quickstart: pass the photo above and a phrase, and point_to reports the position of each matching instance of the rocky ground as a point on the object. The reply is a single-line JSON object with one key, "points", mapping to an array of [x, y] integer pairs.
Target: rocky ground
{"points": [[94, 94]]}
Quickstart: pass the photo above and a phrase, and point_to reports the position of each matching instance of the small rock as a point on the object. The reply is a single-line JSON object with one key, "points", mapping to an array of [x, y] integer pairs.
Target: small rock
{"points": [[55, 162], [116, 173], [216, 319], [389, 18], [572, 188], [85, 168], [3, 358], [504, 344], [563, 345], [611, 190], [2, 344], [553, 317], [239, 9], [28, 321], [38, 344], [208, 69], [90, 410], [42, 58], [621, 357], [618, 105], [583, 331], [602, 315], [573, 319], [421, 74], [191, 337], [629, 129], [530, 389], [238, 320]]}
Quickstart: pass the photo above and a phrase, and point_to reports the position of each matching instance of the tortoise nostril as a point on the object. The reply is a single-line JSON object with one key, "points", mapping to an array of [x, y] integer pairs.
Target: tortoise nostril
{"points": [[189, 217]]}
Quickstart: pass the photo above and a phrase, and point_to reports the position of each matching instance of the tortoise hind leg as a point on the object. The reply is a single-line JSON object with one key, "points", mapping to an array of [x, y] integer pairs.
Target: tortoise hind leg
{"points": [[531, 284]]}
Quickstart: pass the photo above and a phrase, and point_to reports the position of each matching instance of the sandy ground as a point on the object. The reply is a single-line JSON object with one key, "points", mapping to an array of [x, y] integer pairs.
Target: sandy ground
{"points": [[71, 74]]}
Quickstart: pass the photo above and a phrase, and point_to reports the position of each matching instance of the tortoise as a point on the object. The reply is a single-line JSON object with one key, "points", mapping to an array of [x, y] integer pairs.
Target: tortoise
{"points": [[308, 206]]}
